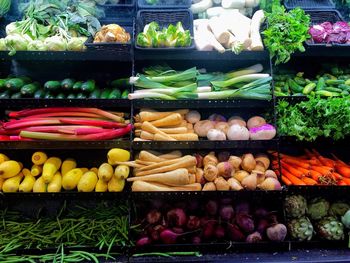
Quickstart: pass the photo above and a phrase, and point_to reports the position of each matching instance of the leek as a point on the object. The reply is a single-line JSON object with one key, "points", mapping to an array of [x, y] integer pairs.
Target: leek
{"points": [[235, 80], [170, 91], [189, 74], [149, 95], [257, 68]]}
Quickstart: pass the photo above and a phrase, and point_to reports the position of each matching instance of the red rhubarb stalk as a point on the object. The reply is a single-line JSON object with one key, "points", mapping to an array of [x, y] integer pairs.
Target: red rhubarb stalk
{"points": [[66, 114], [55, 128], [30, 123], [19, 138], [98, 123], [4, 138], [84, 131]]}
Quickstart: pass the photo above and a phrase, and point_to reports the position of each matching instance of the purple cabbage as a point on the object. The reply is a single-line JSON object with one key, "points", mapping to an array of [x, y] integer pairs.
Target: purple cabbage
{"points": [[327, 32]]}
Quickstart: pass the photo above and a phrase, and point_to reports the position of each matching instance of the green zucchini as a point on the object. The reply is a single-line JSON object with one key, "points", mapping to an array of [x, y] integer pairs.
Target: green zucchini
{"points": [[16, 95], [88, 86], [28, 90], [71, 96], [81, 96], [77, 86], [52, 85], [67, 84], [115, 94], [105, 94], [95, 94], [15, 84], [5, 94], [61, 96], [39, 94], [125, 94]]}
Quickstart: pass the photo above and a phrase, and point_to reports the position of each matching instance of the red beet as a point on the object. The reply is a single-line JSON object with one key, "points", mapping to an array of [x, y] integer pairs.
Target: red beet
{"points": [[234, 233], [263, 224], [193, 223], [254, 238], [211, 208], [199, 159], [176, 217], [245, 222], [196, 240], [242, 207], [261, 212], [226, 212], [178, 230], [208, 230], [143, 241], [223, 156], [219, 232], [168, 237], [153, 216], [154, 232], [277, 232], [226, 201]]}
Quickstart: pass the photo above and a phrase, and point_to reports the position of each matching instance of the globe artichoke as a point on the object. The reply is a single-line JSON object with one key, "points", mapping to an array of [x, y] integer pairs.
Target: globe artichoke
{"points": [[317, 208], [345, 219], [295, 206], [338, 209], [301, 229], [330, 228]]}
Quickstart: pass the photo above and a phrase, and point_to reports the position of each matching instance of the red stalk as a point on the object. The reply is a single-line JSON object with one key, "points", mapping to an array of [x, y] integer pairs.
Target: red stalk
{"points": [[65, 114], [4, 138], [106, 124], [29, 123], [19, 138], [55, 128], [84, 131]]}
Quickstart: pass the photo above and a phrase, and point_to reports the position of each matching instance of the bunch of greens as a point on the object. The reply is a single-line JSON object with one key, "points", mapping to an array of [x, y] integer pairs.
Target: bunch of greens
{"points": [[172, 36], [309, 120], [286, 32]]}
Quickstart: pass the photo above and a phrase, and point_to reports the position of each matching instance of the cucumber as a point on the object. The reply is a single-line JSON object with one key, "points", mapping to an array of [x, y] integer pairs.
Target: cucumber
{"points": [[52, 85], [105, 94], [345, 93], [39, 94], [16, 95], [71, 96], [115, 94], [61, 96], [77, 86], [335, 82], [88, 86], [67, 84], [296, 88], [333, 89], [5, 94], [344, 87], [28, 90], [15, 84], [309, 87], [120, 83], [3, 84], [300, 81], [324, 93], [285, 87], [48, 95], [81, 96], [321, 83], [347, 82], [95, 94], [125, 94]]}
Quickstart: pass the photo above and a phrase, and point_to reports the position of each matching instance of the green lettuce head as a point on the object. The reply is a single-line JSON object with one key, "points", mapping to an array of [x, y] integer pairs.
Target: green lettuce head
{"points": [[76, 44], [143, 41], [56, 43]]}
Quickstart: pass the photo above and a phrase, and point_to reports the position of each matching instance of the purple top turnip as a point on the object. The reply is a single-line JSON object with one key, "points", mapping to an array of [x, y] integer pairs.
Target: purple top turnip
{"points": [[254, 238], [176, 217], [226, 212], [211, 208], [153, 216], [245, 222], [242, 207], [277, 232]]}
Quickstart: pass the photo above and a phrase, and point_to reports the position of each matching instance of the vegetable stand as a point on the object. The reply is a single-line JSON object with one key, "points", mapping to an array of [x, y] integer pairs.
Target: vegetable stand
{"points": [[208, 179]]}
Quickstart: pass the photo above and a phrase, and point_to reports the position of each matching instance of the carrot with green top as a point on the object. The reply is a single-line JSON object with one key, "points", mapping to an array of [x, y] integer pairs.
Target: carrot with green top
{"points": [[293, 179]]}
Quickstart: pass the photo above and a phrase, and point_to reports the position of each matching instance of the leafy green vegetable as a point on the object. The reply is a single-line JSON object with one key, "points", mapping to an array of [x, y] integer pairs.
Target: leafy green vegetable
{"points": [[4, 7], [309, 120], [286, 32]]}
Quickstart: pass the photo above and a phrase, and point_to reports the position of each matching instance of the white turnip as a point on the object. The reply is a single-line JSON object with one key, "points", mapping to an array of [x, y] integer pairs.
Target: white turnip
{"points": [[277, 232]]}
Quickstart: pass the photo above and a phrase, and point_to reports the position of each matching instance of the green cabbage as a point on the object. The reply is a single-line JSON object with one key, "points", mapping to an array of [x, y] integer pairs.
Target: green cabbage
{"points": [[56, 43], [76, 44]]}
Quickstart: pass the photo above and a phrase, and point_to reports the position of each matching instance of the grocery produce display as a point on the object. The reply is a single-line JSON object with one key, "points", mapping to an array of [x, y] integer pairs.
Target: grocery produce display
{"points": [[52, 174], [112, 33]]}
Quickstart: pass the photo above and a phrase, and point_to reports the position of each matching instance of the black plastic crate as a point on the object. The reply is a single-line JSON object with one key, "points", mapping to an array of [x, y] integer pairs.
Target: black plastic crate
{"points": [[318, 17], [309, 4], [123, 11], [164, 18], [175, 4]]}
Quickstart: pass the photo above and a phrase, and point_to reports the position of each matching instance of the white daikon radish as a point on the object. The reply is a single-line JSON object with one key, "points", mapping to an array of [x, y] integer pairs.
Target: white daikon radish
{"points": [[200, 22], [201, 6], [230, 42], [217, 26], [208, 35], [215, 11], [233, 4], [257, 20], [201, 42]]}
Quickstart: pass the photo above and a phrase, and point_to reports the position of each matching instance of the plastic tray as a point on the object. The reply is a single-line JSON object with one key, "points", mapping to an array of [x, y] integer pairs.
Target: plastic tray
{"points": [[123, 11], [318, 17], [164, 19], [309, 4], [143, 4]]}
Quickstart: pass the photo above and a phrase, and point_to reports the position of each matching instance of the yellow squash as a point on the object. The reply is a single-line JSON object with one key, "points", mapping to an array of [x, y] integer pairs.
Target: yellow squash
{"points": [[116, 185], [101, 186], [71, 179], [39, 158], [105, 172], [56, 183], [26, 172], [36, 170], [87, 182], [27, 183], [11, 185], [117, 155], [121, 171], [39, 186], [67, 165], [84, 169], [1, 183], [51, 166], [3, 158], [9, 169], [94, 169]]}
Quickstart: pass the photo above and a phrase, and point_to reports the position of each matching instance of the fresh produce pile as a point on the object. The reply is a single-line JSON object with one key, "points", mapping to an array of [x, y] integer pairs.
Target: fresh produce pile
{"points": [[316, 218], [49, 25], [313, 169], [64, 124], [175, 172], [228, 30], [112, 33], [153, 36], [211, 221], [186, 125], [315, 118], [103, 227], [24, 87], [165, 83], [326, 32], [331, 81], [286, 32], [51, 174]]}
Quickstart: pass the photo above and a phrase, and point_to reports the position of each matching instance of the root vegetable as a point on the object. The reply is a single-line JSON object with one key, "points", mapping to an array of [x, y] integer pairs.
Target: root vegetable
{"points": [[171, 120], [171, 155], [250, 182], [211, 208], [176, 130], [147, 156], [222, 126], [234, 184], [185, 137], [242, 208], [254, 238], [176, 217], [210, 159], [153, 217], [208, 230], [235, 161], [210, 186], [219, 232], [260, 212], [210, 172], [240, 175], [172, 178], [188, 187], [227, 212], [143, 241], [225, 169], [260, 176], [263, 224], [201, 128], [216, 135], [168, 236], [221, 184], [236, 120], [193, 116], [264, 159], [199, 159], [271, 174], [255, 121], [147, 126], [192, 178], [248, 162], [140, 186], [146, 136], [200, 176], [264, 132], [237, 132], [270, 184], [277, 232], [245, 222], [234, 233], [221, 34], [223, 156], [193, 223], [217, 118], [260, 166], [257, 20]]}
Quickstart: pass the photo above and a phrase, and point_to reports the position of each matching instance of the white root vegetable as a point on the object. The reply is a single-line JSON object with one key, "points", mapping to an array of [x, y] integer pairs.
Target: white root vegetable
{"points": [[257, 20], [250, 3], [215, 11], [216, 135], [217, 2], [200, 23], [217, 26], [201, 42], [193, 116], [233, 4], [255, 121], [201, 6], [202, 127], [237, 132], [205, 33]]}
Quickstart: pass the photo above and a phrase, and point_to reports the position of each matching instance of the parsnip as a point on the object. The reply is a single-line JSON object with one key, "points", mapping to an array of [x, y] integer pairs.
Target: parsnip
{"points": [[172, 178], [150, 157], [171, 155], [177, 130], [171, 120], [219, 30], [185, 137], [164, 163], [146, 135], [140, 186], [147, 126], [160, 137]]}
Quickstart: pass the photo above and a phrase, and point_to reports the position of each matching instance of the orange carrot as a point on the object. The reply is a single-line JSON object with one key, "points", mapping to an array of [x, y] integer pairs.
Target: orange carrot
{"points": [[292, 170], [296, 162], [343, 170], [337, 176], [286, 181], [294, 180], [309, 153], [305, 172], [341, 182], [322, 169], [315, 175], [314, 161], [338, 160], [309, 181], [326, 161], [346, 180]]}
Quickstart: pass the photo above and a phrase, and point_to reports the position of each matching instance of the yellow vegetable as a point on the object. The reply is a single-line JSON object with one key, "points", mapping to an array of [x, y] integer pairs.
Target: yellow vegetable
{"points": [[26, 172], [56, 183], [84, 169], [1, 183], [116, 185], [105, 172], [11, 185], [87, 182], [94, 169], [121, 171], [67, 165], [39, 158], [27, 183], [3, 158], [9, 169], [20, 165], [51, 166], [71, 179], [39, 185], [36, 170], [117, 155], [101, 186]]}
